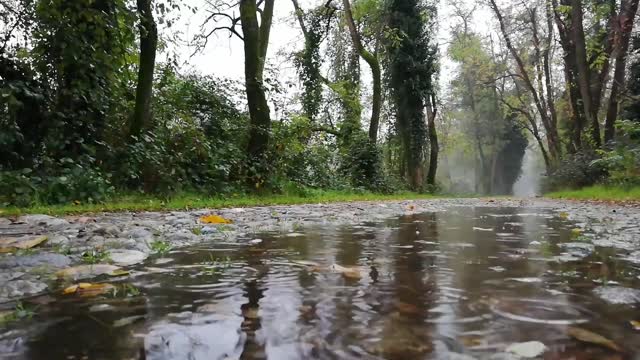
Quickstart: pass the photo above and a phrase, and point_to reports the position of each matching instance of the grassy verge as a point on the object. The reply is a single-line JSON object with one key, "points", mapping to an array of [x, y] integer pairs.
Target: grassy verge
{"points": [[193, 201], [599, 193]]}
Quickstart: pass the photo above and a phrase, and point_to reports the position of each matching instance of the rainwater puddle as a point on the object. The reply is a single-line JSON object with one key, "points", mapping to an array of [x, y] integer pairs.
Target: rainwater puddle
{"points": [[468, 281]]}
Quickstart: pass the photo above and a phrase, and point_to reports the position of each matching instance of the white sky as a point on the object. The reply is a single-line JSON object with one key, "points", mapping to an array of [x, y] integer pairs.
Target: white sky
{"points": [[224, 55]]}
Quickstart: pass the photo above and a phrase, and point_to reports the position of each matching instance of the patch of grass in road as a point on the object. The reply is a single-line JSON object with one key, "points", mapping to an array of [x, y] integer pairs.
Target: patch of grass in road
{"points": [[600, 193]]}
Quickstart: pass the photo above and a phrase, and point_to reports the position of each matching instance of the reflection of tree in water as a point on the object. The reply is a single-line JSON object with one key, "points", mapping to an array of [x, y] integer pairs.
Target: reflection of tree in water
{"points": [[84, 335], [253, 291], [404, 333]]}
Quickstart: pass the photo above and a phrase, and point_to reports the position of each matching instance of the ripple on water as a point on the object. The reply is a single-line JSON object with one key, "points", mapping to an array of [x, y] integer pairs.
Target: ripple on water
{"points": [[540, 311]]}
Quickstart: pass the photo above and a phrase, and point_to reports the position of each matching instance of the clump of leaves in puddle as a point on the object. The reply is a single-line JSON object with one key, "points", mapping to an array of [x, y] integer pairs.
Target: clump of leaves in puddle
{"points": [[19, 312], [216, 266], [95, 256], [161, 247], [88, 290]]}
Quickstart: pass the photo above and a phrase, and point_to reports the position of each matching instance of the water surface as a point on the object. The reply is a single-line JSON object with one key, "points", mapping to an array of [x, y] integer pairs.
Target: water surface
{"points": [[468, 281]]}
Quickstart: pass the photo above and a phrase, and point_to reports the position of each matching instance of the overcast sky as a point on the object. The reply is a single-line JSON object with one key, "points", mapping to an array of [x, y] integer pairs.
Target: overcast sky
{"points": [[224, 55]]}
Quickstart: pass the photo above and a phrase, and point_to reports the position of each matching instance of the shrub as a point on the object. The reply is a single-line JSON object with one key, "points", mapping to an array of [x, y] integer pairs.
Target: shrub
{"points": [[575, 171]]}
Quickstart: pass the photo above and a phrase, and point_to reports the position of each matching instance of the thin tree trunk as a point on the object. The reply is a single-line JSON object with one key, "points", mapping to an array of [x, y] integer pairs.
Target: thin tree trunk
{"points": [[434, 148], [146, 68], [376, 73], [583, 71]]}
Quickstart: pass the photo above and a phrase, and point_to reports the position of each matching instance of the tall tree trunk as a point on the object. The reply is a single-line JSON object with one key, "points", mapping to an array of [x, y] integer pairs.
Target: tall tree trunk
{"points": [[583, 71], [146, 68], [256, 41], [622, 35], [434, 148], [373, 62]]}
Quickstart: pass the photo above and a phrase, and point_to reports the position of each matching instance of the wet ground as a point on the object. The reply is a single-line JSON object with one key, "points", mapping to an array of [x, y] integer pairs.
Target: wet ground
{"points": [[456, 282]]}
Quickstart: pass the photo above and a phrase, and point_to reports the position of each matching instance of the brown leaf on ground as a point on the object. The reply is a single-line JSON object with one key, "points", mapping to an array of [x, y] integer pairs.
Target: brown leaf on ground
{"points": [[591, 337], [22, 243]]}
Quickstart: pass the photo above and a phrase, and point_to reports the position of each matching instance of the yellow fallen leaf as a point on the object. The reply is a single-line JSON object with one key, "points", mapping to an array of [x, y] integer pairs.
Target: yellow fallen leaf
{"points": [[635, 324], [591, 337], [576, 231], [70, 289], [88, 289], [215, 219], [24, 242], [563, 215]]}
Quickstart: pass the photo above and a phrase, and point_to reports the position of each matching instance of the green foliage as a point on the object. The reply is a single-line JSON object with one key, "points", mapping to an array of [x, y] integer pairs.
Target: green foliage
{"points": [[413, 66], [95, 256], [622, 161], [361, 163], [161, 247], [308, 63], [575, 171]]}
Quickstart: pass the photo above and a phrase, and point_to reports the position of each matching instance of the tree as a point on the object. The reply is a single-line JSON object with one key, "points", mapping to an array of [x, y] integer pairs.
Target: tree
{"points": [[374, 64], [412, 62], [146, 67], [80, 48], [589, 52], [533, 77], [256, 43], [255, 22]]}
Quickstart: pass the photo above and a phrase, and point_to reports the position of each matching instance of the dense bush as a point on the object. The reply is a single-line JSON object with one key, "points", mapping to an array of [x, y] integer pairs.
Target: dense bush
{"points": [[575, 171], [622, 161]]}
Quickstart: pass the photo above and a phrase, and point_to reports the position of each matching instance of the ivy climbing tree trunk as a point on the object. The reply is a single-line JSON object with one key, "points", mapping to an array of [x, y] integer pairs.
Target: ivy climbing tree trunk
{"points": [[373, 62], [148, 48], [256, 41]]}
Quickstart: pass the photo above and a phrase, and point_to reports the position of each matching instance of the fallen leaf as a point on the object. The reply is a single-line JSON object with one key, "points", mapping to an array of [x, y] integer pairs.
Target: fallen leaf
{"points": [[127, 321], [88, 289], [23, 242], [348, 272], [563, 215], [406, 308], [6, 316], [591, 337], [470, 341], [412, 207], [89, 271], [529, 349], [635, 324], [576, 231], [215, 219]]}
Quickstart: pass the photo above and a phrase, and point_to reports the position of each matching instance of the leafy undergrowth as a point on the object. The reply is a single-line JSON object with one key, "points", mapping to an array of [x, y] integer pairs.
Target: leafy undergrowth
{"points": [[193, 201], [599, 193]]}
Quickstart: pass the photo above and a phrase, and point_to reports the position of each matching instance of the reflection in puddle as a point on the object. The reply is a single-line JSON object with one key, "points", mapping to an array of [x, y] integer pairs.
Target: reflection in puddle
{"points": [[468, 281]]}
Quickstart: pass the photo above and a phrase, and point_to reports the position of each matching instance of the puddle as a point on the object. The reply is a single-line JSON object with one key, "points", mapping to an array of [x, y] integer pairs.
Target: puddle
{"points": [[468, 281]]}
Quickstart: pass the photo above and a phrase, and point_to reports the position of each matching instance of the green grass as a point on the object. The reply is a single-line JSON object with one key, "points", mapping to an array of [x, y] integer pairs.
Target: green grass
{"points": [[599, 192], [194, 201]]}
